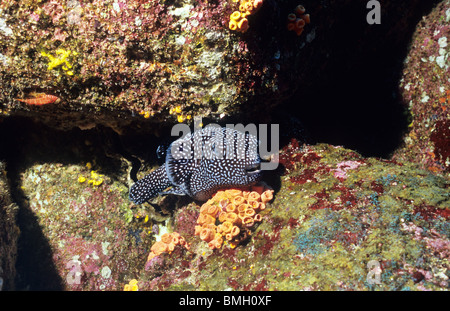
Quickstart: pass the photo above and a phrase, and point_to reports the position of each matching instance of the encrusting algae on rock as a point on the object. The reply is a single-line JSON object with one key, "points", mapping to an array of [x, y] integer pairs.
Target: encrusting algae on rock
{"points": [[231, 214]]}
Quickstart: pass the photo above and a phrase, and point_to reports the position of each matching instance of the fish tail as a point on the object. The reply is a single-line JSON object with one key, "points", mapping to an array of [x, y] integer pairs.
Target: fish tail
{"points": [[149, 186]]}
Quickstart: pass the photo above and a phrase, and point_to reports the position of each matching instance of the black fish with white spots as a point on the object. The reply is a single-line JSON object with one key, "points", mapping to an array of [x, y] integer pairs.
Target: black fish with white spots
{"points": [[201, 163]]}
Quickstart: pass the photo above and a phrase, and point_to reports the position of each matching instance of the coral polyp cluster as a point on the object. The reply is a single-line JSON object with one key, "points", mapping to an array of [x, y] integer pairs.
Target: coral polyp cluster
{"points": [[250, 6], [298, 20], [230, 215], [238, 19], [167, 244]]}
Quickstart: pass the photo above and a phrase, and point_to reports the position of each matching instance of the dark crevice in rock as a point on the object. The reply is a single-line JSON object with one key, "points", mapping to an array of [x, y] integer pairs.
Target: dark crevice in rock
{"points": [[26, 143], [355, 101]]}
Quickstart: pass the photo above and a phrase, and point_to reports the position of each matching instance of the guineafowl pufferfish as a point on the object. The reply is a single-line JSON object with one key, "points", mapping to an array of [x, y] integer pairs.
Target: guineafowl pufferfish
{"points": [[201, 163]]}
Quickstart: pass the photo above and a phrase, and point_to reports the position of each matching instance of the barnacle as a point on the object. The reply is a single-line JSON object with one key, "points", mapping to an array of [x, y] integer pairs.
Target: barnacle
{"points": [[231, 214]]}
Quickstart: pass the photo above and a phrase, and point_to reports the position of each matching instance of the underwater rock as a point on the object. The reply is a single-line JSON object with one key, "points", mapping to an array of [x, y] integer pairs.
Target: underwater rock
{"points": [[113, 62], [378, 227], [425, 90], [121, 62], [338, 221], [85, 232]]}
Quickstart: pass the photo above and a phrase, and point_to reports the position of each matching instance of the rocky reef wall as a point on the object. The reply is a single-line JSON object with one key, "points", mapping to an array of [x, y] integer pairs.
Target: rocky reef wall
{"points": [[90, 89]]}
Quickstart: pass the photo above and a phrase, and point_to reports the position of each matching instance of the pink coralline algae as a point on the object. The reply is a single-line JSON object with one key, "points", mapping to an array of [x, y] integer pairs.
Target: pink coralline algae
{"points": [[439, 244], [440, 247], [343, 167]]}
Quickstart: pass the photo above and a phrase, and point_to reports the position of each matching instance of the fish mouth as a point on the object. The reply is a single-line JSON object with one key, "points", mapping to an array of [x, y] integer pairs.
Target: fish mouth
{"points": [[253, 169]]}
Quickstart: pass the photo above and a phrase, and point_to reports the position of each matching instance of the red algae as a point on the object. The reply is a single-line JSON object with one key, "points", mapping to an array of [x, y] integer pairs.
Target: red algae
{"points": [[431, 212], [441, 138], [306, 176]]}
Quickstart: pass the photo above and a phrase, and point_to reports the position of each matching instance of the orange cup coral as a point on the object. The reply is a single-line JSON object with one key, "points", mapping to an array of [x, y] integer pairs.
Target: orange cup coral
{"points": [[205, 219], [207, 234], [231, 214], [238, 22], [299, 10], [167, 244], [225, 227], [254, 196], [210, 209], [233, 232], [298, 20], [266, 196], [238, 19], [250, 6]]}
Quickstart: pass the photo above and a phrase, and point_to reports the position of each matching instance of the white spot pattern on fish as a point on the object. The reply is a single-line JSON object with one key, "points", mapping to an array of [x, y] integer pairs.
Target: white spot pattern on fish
{"points": [[202, 163]]}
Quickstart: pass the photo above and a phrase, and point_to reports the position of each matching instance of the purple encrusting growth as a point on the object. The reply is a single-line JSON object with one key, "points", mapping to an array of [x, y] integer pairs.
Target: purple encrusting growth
{"points": [[228, 158]]}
